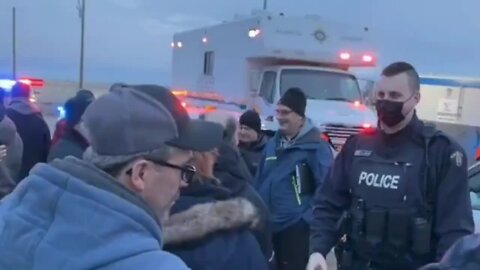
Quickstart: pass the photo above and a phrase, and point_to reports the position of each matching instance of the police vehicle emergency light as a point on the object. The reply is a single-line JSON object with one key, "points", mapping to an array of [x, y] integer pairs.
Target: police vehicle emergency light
{"points": [[252, 60], [35, 83]]}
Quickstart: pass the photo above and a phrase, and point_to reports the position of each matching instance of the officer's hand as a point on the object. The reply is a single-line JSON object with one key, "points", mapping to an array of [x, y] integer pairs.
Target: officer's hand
{"points": [[317, 262]]}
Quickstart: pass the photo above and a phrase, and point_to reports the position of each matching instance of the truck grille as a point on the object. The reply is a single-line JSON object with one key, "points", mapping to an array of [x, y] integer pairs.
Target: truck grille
{"points": [[339, 134]]}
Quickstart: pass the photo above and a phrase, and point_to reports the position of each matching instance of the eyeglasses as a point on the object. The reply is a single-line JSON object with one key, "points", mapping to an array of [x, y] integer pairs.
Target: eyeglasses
{"points": [[188, 171], [283, 112]]}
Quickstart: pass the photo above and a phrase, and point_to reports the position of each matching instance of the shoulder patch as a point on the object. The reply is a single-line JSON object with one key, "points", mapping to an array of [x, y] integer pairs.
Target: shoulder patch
{"points": [[457, 157]]}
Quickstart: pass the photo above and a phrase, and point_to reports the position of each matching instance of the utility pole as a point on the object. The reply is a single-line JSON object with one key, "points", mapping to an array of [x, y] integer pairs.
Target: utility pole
{"points": [[81, 10], [265, 4], [14, 44]]}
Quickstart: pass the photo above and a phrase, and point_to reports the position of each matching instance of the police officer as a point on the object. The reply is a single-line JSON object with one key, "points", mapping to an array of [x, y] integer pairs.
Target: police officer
{"points": [[399, 193]]}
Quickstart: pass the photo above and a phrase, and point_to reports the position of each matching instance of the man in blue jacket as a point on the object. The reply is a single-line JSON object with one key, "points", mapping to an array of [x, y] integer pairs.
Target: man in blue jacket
{"points": [[294, 165], [105, 211]]}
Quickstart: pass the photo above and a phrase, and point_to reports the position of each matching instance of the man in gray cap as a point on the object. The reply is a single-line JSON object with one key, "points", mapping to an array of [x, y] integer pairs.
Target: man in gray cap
{"points": [[105, 211]]}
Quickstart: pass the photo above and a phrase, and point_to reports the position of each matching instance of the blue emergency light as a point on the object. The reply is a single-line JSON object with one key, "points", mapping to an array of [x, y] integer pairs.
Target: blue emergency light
{"points": [[61, 112], [7, 84]]}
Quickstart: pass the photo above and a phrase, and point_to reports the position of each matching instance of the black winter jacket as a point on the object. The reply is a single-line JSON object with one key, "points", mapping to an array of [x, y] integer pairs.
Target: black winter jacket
{"points": [[34, 132]]}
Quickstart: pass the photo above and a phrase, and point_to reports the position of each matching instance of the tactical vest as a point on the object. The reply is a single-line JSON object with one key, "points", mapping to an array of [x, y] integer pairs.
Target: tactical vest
{"points": [[390, 217]]}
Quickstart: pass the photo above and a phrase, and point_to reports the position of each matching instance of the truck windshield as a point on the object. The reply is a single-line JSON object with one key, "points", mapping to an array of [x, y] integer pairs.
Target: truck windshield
{"points": [[318, 84]]}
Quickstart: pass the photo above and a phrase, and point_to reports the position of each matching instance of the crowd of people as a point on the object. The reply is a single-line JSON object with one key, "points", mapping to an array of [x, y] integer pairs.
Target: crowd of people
{"points": [[130, 181], [26, 137]]}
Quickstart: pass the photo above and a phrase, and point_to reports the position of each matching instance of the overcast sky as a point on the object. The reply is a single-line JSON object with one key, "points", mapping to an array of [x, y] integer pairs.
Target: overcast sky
{"points": [[129, 40]]}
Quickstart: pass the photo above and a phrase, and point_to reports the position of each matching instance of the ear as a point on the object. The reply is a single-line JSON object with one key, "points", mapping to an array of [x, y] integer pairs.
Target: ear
{"points": [[417, 97], [137, 179], [301, 119]]}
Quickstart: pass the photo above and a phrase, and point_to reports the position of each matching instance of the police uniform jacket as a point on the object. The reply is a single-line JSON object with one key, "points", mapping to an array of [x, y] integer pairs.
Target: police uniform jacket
{"points": [[388, 169]]}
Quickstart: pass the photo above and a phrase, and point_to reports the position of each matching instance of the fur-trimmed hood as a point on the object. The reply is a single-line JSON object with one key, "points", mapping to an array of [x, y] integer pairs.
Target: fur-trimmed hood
{"points": [[202, 220]]}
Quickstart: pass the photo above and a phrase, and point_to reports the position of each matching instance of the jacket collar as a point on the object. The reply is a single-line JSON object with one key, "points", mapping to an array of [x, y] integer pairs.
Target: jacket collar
{"points": [[93, 176]]}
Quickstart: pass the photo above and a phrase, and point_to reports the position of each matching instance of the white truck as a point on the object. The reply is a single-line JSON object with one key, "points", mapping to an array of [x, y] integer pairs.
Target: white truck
{"points": [[452, 103], [251, 61]]}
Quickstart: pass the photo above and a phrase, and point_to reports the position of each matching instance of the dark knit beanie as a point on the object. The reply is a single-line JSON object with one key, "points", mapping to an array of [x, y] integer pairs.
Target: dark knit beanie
{"points": [[74, 109], [295, 99], [252, 120], [86, 94], [21, 90]]}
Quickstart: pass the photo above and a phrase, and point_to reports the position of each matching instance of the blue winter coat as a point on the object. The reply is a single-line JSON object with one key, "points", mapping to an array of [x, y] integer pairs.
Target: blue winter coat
{"points": [[209, 230], [277, 171], [70, 215]]}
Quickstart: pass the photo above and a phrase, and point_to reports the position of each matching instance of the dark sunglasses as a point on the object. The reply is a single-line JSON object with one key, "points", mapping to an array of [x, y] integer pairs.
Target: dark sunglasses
{"points": [[188, 171]]}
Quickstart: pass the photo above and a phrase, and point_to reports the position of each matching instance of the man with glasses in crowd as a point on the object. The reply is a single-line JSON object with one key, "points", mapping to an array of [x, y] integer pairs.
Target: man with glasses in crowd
{"points": [[105, 211], [294, 165]]}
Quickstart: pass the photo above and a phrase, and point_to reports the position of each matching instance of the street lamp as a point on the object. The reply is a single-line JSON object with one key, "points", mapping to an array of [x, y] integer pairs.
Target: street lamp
{"points": [[81, 13], [14, 43]]}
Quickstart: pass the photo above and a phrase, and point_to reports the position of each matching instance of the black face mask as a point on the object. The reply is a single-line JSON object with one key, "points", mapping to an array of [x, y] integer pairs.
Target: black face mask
{"points": [[389, 112]]}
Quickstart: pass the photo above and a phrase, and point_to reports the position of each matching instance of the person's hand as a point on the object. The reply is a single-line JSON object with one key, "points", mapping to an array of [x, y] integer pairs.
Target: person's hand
{"points": [[317, 262], [3, 152]]}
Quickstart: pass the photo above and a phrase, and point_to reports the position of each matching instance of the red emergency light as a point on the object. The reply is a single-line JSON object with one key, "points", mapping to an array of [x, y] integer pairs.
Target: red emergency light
{"points": [[354, 59], [367, 58], [33, 82], [367, 126], [345, 56]]}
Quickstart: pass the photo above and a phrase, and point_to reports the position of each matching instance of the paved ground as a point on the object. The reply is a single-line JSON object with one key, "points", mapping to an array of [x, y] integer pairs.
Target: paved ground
{"points": [[51, 123]]}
